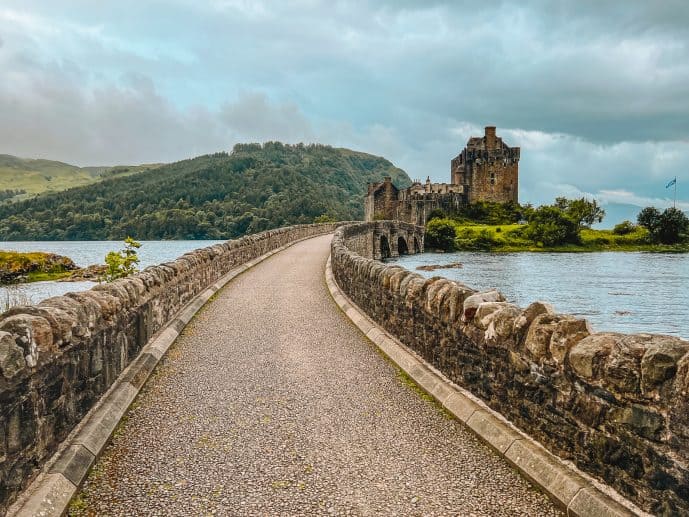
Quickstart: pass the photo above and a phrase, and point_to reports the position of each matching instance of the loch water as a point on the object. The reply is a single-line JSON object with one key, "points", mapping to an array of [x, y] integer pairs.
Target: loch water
{"points": [[616, 291], [86, 253]]}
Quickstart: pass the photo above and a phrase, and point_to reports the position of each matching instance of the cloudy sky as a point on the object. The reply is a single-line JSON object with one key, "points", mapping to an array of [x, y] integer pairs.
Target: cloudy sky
{"points": [[595, 92]]}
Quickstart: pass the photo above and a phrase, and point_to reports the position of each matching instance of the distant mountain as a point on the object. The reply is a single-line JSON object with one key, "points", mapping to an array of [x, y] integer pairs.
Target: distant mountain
{"points": [[254, 188], [21, 178]]}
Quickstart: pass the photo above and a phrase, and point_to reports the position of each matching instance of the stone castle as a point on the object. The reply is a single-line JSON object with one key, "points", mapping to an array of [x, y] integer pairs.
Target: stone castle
{"points": [[487, 169]]}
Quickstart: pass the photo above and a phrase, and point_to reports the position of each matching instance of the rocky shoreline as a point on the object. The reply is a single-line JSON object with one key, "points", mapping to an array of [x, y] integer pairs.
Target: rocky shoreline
{"points": [[93, 273], [433, 267], [24, 267], [17, 267]]}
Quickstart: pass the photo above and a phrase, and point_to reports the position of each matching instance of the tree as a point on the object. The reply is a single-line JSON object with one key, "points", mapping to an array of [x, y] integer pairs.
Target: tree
{"points": [[436, 213], [440, 234], [551, 226], [648, 217], [669, 227], [324, 218], [489, 212], [624, 228], [581, 211], [674, 226], [122, 263], [216, 196]]}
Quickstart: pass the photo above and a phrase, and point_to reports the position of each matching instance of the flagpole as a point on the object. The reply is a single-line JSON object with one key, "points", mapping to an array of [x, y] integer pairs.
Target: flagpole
{"points": [[674, 203]]}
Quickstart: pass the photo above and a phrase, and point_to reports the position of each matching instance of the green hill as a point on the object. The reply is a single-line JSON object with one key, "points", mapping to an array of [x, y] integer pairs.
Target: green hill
{"points": [[21, 178], [219, 196]]}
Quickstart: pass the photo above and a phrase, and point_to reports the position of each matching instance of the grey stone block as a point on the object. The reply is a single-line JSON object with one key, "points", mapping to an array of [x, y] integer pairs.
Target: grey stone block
{"points": [[495, 433], [140, 369], [162, 343], [364, 325], [428, 381], [74, 463], [559, 482], [460, 406], [373, 334], [442, 391], [50, 499], [95, 435], [590, 502]]}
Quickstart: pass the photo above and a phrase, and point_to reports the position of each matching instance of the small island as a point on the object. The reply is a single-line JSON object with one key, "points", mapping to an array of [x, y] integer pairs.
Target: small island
{"points": [[564, 226], [19, 267]]}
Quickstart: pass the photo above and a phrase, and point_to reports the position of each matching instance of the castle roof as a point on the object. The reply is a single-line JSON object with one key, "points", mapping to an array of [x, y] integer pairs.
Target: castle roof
{"points": [[378, 186]]}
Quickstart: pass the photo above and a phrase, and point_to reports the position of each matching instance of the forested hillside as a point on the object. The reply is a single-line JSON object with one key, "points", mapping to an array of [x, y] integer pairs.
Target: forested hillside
{"points": [[219, 196], [21, 178]]}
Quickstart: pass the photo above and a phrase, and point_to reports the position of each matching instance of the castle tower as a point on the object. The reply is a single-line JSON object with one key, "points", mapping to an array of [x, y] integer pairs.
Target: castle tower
{"points": [[488, 169]]}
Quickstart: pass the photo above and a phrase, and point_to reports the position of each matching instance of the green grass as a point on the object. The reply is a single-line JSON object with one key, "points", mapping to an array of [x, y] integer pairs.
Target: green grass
{"points": [[510, 238], [39, 276], [38, 176]]}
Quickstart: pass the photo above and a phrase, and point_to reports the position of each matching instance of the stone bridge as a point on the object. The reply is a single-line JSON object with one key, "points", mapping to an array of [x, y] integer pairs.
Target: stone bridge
{"points": [[139, 397], [394, 240], [386, 239]]}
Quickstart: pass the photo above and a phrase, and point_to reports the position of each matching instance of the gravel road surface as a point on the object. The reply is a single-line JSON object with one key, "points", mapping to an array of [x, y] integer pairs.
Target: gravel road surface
{"points": [[273, 403]]}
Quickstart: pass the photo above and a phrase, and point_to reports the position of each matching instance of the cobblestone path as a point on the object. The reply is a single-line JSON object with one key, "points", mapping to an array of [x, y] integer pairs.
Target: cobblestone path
{"points": [[272, 403]]}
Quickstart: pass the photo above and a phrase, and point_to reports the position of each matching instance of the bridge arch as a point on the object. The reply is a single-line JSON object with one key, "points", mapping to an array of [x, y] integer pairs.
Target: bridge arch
{"points": [[392, 239], [384, 247], [402, 248]]}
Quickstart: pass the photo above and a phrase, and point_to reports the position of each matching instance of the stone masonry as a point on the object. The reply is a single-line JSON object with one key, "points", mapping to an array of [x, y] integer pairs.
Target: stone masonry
{"points": [[57, 358], [487, 169], [616, 405]]}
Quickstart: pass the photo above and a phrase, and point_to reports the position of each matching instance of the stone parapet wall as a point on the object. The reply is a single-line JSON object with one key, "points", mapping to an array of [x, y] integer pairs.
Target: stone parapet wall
{"points": [[57, 358], [616, 405]]}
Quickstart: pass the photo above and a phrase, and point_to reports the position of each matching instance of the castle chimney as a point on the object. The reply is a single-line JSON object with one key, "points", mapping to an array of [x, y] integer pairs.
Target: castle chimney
{"points": [[387, 179], [490, 138]]}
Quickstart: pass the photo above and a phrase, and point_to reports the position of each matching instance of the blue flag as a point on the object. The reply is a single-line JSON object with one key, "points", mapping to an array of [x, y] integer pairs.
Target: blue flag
{"points": [[671, 183]]}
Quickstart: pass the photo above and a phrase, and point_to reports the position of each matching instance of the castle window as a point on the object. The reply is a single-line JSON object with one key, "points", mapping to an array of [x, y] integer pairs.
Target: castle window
{"points": [[492, 178]]}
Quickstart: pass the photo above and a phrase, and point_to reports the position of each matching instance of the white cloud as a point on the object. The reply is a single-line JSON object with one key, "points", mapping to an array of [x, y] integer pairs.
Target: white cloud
{"points": [[630, 198]]}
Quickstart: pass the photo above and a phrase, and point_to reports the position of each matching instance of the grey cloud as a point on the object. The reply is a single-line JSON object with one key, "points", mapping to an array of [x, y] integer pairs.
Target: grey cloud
{"points": [[594, 91], [254, 118], [132, 123]]}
